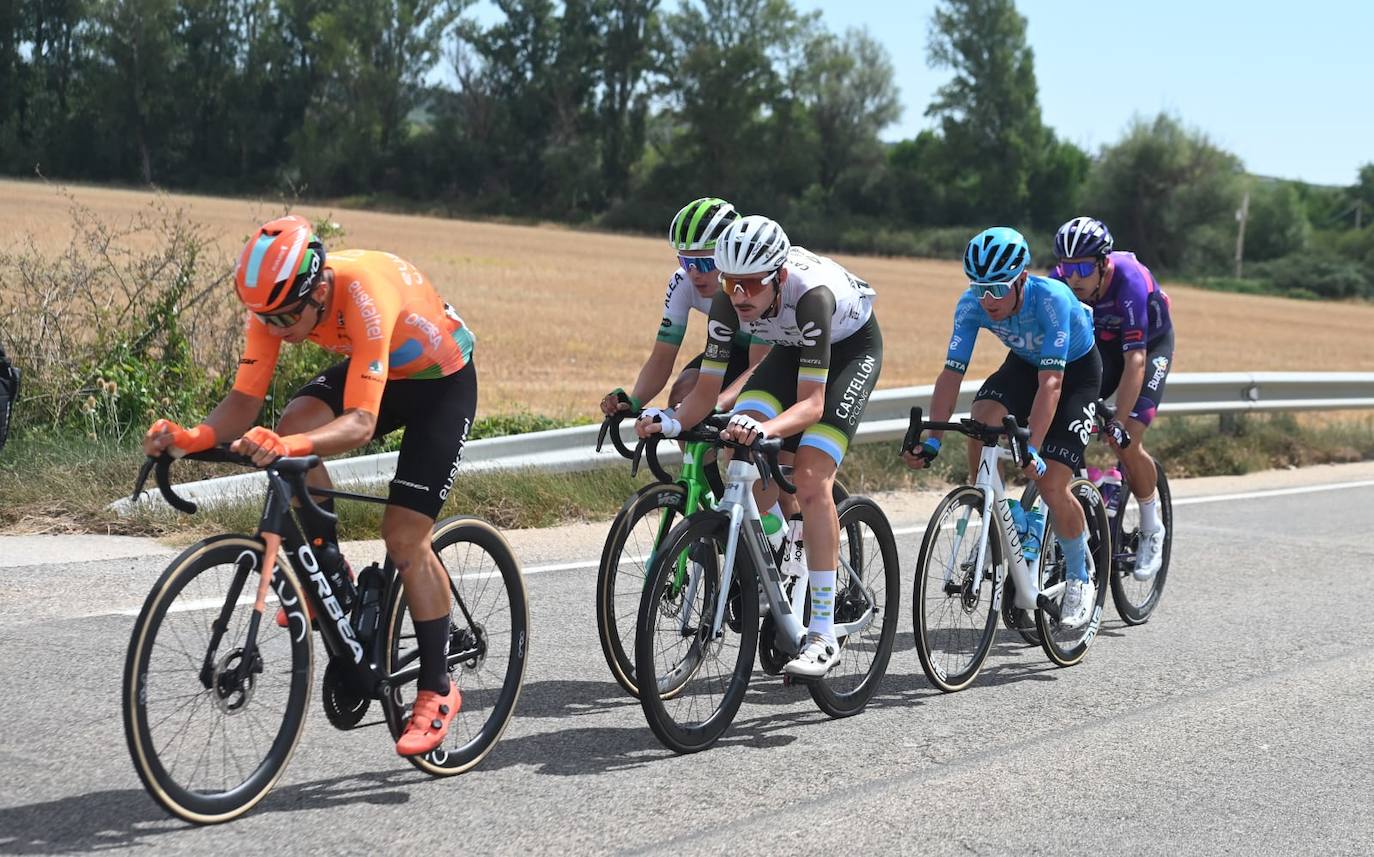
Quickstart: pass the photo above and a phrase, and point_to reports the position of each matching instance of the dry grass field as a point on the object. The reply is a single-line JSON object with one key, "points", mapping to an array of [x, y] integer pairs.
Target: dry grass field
{"points": [[561, 316]]}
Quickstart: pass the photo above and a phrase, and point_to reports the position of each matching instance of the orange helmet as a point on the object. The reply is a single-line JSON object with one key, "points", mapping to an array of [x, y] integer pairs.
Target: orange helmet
{"points": [[282, 262]]}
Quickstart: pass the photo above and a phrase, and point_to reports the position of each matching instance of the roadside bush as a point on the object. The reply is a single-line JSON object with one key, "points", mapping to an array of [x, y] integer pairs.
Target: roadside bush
{"points": [[1322, 276]]}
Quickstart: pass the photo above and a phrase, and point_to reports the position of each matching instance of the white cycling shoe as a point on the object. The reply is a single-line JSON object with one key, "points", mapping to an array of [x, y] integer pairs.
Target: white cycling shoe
{"points": [[818, 657], [1149, 555], [1079, 599]]}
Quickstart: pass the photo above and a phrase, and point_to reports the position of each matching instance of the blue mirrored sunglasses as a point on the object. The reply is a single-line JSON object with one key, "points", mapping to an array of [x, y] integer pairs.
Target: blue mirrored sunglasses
{"points": [[1075, 269], [704, 264], [996, 290]]}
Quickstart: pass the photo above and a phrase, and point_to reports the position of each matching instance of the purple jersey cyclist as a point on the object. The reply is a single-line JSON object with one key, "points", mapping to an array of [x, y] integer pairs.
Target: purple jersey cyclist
{"points": [[1135, 335]]}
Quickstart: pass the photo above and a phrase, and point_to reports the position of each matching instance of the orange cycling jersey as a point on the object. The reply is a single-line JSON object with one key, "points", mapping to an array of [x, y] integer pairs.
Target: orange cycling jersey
{"points": [[385, 316]]}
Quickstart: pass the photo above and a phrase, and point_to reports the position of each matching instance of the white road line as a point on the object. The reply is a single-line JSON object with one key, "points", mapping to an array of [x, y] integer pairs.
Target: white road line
{"points": [[1274, 492]]}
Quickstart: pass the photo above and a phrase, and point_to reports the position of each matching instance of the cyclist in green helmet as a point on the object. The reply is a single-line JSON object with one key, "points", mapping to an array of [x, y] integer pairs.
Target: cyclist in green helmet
{"points": [[692, 286]]}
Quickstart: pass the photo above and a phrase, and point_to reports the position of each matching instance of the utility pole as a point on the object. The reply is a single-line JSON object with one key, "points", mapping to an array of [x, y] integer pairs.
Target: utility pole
{"points": [[1359, 210], [1241, 216]]}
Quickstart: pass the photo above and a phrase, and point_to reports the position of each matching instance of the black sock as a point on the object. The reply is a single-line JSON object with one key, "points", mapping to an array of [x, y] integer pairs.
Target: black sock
{"points": [[432, 638]]}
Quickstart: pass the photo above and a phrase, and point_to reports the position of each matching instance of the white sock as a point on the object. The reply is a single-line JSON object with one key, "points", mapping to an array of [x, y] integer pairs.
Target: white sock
{"points": [[1149, 514], [823, 604]]}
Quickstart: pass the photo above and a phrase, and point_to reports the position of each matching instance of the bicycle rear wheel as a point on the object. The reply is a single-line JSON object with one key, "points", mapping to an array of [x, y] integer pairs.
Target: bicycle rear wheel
{"points": [[869, 581], [1067, 646], [1135, 600], [954, 619], [210, 727], [638, 530], [490, 619], [701, 679]]}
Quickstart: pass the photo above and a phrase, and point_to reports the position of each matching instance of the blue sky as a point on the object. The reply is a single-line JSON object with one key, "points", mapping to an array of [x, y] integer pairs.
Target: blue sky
{"points": [[1287, 88]]}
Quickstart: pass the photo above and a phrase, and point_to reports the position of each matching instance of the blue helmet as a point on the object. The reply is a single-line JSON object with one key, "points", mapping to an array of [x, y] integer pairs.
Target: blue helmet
{"points": [[996, 255], [1082, 238]]}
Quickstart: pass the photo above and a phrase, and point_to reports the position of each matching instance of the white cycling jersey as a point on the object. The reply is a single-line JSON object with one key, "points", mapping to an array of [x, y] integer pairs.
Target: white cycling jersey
{"points": [[807, 271]]}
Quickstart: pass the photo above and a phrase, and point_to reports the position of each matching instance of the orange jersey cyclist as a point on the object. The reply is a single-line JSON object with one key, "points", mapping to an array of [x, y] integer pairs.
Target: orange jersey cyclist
{"points": [[811, 388], [408, 363]]}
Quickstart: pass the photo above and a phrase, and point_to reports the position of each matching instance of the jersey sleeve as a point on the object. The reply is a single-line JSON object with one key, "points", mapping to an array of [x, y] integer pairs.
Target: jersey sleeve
{"points": [[259, 360], [721, 326], [677, 304], [369, 318], [815, 310], [964, 335], [1053, 312], [1134, 305]]}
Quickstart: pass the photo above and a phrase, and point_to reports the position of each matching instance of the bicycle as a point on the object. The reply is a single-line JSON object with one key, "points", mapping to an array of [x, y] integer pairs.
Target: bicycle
{"points": [[636, 534], [698, 622], [202, 659], [963, 584], [1135, 600]]}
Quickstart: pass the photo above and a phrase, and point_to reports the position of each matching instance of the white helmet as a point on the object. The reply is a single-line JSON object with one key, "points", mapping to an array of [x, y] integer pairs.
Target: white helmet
{"points": [[751, 246]]}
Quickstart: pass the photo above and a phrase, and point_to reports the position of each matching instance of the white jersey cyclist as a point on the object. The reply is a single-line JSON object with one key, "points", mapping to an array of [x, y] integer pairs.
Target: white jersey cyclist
{"points": [[679, 301]]}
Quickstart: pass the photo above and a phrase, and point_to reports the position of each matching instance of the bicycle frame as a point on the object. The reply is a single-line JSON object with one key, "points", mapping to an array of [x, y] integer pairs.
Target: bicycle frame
{"points": [[693, 479], [747, 528]]}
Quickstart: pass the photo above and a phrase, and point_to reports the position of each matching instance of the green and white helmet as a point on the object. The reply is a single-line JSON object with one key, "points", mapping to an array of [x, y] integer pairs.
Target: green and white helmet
{"points": [[700, 223]]}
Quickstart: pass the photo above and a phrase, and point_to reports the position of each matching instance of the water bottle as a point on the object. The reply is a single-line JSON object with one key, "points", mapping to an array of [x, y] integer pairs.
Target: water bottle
{"points": [[773, 530], [1030, 544], [371, 584], [1018, 518], [794, 556], [337, 572], [1111, 484]]}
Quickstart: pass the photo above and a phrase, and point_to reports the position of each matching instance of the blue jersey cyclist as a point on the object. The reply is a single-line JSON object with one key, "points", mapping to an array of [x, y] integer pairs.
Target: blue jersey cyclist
{"points": [[1050, 380], [1135, 335]]}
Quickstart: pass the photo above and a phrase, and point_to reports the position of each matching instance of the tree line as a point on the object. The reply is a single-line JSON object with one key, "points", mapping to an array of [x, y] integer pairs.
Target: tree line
{"points": [[613, 112]]}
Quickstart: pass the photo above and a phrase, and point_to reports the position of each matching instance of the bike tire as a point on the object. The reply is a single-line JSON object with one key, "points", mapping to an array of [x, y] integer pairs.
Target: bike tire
{"points": [[934, 599], [620, 580], [1135, 600], [845, 692], [1063, 646], [474, 554], [701, 681], [159, 629]]}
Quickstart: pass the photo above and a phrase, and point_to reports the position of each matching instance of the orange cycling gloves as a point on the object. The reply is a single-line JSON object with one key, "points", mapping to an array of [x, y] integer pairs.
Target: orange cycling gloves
{"points": [[291, 445], [197, 439]]}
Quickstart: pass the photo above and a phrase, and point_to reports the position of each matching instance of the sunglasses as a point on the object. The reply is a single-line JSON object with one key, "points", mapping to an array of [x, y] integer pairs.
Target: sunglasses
{"points": [[996, 290], [751, 286], [704, 264], [1075, 269], [287, 318]]}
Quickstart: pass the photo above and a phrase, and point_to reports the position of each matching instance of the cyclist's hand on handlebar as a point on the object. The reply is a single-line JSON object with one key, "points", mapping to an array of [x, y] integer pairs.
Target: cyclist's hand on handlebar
{"points": [[1118, 434], [922, 456], [658, 421], [167, 436], [1035, 465], [618, 401], [265, 446], [743, 429]]}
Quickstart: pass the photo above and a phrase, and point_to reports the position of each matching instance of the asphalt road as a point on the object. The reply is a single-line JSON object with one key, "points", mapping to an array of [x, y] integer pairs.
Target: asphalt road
{"points": [[1237, 721]]}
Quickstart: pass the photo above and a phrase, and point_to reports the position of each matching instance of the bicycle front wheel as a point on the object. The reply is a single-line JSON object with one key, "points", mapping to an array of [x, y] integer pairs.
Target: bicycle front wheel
{"points": [[954, 603], [1067, 646], [1135, 600], [211, 716], [701, 677], [868, 583], [636, 534], [489, 621]]}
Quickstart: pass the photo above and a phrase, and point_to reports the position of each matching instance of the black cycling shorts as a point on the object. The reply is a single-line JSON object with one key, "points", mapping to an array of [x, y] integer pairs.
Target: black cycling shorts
{"points": [[738, 365], [1015, 384], [1159, 357], [855, 363], [436, 414]]}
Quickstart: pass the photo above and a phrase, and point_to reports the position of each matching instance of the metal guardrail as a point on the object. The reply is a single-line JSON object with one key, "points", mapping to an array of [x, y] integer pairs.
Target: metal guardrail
{"points": [[885, 419]]}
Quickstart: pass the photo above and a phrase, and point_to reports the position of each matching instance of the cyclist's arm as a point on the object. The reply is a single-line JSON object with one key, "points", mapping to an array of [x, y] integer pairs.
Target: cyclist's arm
{"points": [[1132, 381], [653, 376], [945, 397], [1053, 312], [757, 351], [967, 316], [234, 415], [815, 310], [239, 410], [1134, 303], [721, 324], [1045, 404]]}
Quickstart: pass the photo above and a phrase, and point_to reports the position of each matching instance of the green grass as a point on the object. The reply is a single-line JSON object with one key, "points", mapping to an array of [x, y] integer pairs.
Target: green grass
{"points": [[62, 485]]}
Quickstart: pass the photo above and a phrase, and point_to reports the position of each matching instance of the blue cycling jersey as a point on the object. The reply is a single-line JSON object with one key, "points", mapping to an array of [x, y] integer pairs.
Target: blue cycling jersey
{"points": [[1049, 331]]}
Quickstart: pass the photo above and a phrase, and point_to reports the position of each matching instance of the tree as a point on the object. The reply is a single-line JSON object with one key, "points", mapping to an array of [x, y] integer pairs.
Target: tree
{"points": [[988, 111], [1277, 223], [1169, 194]]}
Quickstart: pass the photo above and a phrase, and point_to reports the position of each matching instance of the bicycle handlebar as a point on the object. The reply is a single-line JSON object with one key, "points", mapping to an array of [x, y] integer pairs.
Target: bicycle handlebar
{"points": [[160, 466], [611, 426], [763, 452], [971, 428]]}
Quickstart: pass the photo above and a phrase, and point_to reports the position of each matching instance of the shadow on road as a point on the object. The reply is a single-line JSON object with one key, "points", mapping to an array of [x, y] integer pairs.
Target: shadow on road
{"points": [[118, 818]]}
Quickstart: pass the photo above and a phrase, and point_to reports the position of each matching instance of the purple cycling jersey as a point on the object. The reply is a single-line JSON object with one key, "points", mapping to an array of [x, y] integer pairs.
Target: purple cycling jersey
{"points": [[1134, 309]]}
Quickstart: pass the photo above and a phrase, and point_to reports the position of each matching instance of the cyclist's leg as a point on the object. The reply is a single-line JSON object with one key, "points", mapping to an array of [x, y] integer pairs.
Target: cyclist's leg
{"points": [[771, 390], [1067, 438], [1159, 358], [313, 405], [1009, 390]]}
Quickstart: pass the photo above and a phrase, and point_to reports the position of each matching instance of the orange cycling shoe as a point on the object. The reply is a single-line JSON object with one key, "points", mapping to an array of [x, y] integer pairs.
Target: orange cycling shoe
{"points": [[429, 722]]}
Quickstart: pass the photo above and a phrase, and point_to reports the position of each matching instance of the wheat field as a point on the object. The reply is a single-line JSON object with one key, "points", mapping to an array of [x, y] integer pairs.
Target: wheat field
{"points": [[563, 315]]}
